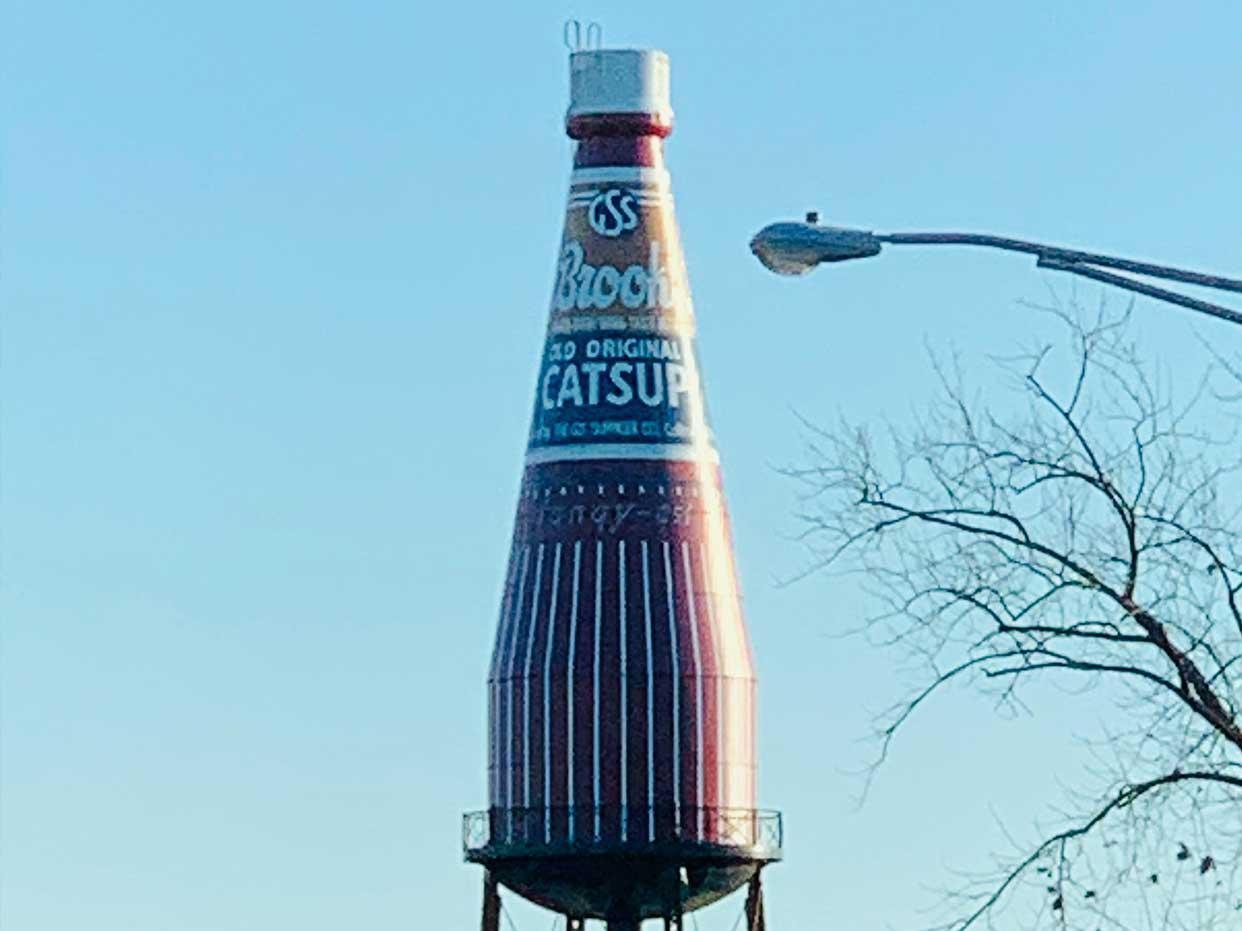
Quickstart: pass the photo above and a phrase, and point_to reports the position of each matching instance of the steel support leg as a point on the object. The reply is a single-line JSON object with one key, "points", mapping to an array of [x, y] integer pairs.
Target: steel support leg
{"points": [[672, 893], [754, 905], [491, 903]]}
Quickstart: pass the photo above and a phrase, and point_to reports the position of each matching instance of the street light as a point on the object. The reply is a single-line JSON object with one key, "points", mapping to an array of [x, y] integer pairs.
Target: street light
{"points": [[796, 248]]}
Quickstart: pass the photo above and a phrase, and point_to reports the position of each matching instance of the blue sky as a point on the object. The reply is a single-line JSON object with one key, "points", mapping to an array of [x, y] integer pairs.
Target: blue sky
{"points": [[274, 284]]}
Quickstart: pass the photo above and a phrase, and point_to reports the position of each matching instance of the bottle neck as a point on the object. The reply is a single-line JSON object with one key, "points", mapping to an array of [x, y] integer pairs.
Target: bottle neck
{"points": [[644, 151], [618, 139]]}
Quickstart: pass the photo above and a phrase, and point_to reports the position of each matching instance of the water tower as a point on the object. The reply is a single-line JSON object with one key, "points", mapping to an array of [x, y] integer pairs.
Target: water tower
{"points": [[621, 694]]}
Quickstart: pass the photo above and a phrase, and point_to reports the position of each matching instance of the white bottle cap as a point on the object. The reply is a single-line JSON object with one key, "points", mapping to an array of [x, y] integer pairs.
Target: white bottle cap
{"points": [[619, 80]]}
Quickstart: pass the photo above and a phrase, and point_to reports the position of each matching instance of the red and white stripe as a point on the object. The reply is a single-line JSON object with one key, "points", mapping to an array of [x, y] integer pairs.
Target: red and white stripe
{"points": [[622, 687]]}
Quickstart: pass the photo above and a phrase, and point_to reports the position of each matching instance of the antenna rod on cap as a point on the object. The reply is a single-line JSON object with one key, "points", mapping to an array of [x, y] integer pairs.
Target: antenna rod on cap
{"points": [[573, 36]]}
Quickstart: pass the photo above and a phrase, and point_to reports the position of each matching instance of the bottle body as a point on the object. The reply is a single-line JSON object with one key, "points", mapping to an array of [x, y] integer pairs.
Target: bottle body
{"points": [[621, 689]]}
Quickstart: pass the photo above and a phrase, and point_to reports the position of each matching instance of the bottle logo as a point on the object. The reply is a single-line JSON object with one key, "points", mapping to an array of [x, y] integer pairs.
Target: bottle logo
{"points": [[613, 212], [587, 287]]}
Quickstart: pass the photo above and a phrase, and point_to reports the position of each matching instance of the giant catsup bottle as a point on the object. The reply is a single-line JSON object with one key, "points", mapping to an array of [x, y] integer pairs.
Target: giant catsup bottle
{"points": [[622, 693]]}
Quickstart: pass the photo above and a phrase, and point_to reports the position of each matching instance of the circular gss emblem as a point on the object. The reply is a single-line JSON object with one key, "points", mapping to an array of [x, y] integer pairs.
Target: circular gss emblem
{"points": [[613, 212]]}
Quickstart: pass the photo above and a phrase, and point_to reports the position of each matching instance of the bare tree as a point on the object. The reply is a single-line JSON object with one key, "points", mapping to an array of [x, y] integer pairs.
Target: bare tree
{"points": [[1085, 535]]}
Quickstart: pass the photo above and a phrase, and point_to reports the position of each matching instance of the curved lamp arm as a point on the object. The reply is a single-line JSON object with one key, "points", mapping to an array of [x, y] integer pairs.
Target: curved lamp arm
{"points": [[796, 248]]}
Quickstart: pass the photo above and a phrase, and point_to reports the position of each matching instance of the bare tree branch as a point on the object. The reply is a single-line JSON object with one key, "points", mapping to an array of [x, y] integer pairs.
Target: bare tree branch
{"points": [[1090, 532]]}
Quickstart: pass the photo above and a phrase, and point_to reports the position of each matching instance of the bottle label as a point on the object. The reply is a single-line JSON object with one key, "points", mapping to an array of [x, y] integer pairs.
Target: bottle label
{"points": [[619, 376]]}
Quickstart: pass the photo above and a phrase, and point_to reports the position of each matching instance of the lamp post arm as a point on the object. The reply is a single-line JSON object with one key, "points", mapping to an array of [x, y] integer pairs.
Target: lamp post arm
{"points": [[1090, 265], [1056, 253], [1141, 287]]}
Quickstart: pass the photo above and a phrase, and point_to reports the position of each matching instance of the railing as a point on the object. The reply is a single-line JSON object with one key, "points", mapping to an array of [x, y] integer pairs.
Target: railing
{"points": [[554, 830]]}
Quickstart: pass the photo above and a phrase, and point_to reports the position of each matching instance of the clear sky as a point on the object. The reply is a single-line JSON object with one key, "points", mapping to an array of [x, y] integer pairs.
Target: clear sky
{"points": [[274, 284]]}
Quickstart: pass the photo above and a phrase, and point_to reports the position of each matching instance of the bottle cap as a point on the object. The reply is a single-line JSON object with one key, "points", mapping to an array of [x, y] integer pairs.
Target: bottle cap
{"points": [[620, 81]]}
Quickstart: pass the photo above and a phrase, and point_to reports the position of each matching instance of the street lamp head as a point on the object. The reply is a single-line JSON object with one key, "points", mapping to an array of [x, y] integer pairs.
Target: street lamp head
{"points": [[796, 248]]}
